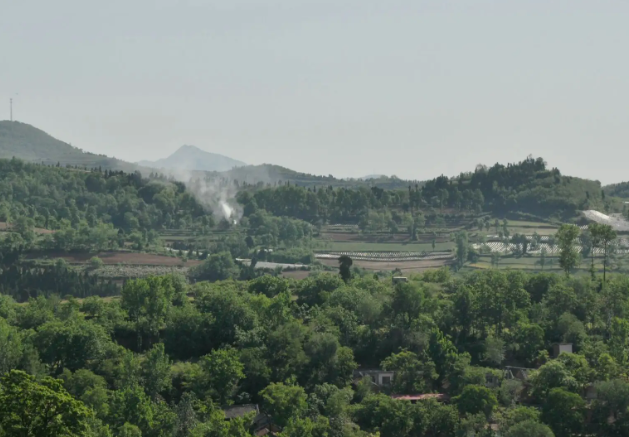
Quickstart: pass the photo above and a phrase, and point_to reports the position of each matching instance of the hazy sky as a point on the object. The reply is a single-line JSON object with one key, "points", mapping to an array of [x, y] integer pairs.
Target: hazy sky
{"points": [[414, 88]]}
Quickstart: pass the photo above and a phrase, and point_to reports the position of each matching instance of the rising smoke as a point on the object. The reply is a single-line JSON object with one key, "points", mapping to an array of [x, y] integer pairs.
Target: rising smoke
{"points": [[215, 194]]}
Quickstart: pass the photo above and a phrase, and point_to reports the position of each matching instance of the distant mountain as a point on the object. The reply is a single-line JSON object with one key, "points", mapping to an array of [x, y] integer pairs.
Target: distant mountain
{"points": [[23, 141], [193, 158], [373, 176], [272, 174], [618, 190]]}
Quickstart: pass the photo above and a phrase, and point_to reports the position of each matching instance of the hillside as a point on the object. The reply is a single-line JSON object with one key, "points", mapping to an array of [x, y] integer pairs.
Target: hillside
{"points": [[193, 158], [618, 190], [26, 142], [526, 187], [271, 174]]}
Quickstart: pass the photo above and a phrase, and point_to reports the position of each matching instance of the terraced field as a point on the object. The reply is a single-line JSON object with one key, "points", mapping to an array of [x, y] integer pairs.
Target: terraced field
{"points": [[404, 266], [387, 256], [118, 257]]}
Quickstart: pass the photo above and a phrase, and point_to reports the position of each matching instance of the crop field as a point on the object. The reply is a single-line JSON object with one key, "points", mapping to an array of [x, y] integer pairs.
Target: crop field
{"points": [[387, 256], [359, 246], [136, 271], [404, 266], [496, 246], [110, 258], [529, 224]]}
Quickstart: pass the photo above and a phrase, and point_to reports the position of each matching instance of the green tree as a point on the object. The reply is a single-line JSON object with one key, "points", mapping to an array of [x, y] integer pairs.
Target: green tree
{"points": [[412, 375], [70, 344], [39, 409], [568, 254], [218, 267], [564, 412], [551, 375], [156, 371], [462, 247], [283, 402], [128, 430], [223, 370], [476, 399], [89, 388], [10, 346], [96, 263], [345, 264], [217, 426], [132, 405], [619, 341], [529, 428], [602, 236], [388, 417], [148, 302], [407, 302], [542, 257], [443, 353], [495, 259]]}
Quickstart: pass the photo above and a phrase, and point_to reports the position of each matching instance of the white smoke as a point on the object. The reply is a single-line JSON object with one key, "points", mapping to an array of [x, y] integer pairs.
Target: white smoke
{"points": [[214, 193]]}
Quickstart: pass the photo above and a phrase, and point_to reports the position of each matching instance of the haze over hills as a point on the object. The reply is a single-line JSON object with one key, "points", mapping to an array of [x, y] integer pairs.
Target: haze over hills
{"points": [[26, 142], [192, 158], [31, 144]]}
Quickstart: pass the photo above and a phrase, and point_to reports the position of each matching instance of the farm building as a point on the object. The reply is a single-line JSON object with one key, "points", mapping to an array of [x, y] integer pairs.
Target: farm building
{"points": [[380, 378]]}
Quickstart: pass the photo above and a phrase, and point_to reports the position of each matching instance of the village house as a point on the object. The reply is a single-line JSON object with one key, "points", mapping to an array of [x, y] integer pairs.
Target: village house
{"points": [[381, 378]]}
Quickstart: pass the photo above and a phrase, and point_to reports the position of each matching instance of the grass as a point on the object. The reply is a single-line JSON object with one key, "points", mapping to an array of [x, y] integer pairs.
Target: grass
{"points": [[354, 246], [527, 224]]}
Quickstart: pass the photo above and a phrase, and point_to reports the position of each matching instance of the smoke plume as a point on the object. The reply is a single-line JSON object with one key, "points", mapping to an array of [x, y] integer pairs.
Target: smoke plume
{"points": [[214, 193]]}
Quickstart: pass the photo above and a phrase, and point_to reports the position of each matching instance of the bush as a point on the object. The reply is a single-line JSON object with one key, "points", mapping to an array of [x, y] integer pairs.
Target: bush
{"points": [[96, 263], [476, 399]]}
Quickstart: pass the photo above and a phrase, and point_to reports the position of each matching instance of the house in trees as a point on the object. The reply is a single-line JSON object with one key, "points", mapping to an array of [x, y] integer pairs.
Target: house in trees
{"points": [[521, 373], [561, 348], [261, 423], [380, 378]]}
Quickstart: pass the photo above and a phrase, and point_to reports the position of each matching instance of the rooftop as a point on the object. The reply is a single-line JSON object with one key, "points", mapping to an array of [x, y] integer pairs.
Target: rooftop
{"points": [[240, 410]]}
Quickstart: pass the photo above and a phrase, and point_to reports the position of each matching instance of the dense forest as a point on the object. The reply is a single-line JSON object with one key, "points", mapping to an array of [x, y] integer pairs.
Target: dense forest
{"points": [[618, 190], [527, 187], [157, 362]]}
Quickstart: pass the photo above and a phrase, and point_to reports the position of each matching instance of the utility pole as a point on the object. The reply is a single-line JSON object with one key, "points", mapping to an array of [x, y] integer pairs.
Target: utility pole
{"points": [[11, 108]]}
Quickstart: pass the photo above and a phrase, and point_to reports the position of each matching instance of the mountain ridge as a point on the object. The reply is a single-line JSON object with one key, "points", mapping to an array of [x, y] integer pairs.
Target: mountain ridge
{"points": [[189, 157], [28, 143]]}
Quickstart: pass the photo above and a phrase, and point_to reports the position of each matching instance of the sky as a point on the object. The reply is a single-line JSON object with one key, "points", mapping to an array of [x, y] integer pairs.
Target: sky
{"points": [[413, 88]]}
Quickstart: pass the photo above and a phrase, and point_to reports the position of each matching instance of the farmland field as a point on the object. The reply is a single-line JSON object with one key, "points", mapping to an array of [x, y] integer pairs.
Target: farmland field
{"points": [[404, 266], [133, 258], [356, 246]]}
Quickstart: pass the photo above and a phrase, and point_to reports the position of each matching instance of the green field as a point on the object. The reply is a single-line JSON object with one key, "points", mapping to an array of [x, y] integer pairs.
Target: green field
{"points": [[527, 224], [354, 246]]}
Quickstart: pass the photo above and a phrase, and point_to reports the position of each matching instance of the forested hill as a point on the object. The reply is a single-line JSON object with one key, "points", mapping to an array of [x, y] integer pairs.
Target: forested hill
{"points": [[619, 190], [526, 187], [55, 197], [193, 158], [26, 142], [274, 174]]}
